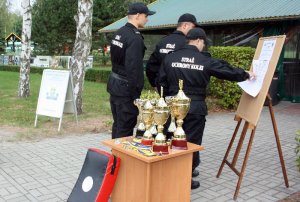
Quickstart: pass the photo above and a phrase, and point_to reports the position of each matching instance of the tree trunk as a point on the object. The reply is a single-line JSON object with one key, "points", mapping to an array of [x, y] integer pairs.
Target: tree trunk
{"points": [[81, 48], [24, 88]]}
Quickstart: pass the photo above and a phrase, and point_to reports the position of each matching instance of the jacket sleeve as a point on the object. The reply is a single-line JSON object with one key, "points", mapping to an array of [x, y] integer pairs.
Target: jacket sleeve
{"points": [[223, 70], [152, 67], [134, 65]]}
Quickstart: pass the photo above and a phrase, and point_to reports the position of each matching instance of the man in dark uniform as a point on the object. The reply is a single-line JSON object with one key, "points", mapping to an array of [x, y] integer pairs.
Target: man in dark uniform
{"points": [[195, 68], [169, 43], [127, 78]]}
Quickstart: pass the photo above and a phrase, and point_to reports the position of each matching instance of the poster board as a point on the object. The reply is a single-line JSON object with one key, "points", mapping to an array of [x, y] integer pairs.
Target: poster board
{"points": [[250, 107], [56, 95]]}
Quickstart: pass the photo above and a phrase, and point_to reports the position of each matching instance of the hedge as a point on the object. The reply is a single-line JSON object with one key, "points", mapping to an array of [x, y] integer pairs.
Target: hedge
{"points": [[95, 75], [228, 93]]}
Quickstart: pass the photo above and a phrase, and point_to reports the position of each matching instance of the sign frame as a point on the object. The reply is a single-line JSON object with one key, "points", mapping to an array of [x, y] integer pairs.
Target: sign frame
{"points": [[56, 95]]}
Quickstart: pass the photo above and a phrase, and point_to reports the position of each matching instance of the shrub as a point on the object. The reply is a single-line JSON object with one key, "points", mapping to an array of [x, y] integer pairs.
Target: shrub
{"points": [[101, 59], [15, 68], [297, 149], [229, 93], [97, 75]]}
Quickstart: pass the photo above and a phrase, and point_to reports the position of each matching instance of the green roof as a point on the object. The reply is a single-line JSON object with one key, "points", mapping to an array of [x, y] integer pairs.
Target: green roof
{"points": [[211, 12]]}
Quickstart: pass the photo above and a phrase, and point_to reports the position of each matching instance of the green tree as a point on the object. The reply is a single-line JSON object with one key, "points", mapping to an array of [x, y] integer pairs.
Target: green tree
{"points": [[105, 13], [53, 25], [16, 23], [8, 22], [3, 13]]}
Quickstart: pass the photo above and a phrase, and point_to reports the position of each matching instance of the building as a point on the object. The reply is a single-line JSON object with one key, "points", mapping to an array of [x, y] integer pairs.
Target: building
{"points": [[235, 23]]}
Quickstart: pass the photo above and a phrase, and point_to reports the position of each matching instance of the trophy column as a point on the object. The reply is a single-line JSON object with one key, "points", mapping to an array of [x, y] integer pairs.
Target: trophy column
{"points": [[161, 115]]}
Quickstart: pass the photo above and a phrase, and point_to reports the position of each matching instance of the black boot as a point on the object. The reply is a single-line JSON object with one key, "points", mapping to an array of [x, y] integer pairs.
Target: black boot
{"points": [[195, 184]]}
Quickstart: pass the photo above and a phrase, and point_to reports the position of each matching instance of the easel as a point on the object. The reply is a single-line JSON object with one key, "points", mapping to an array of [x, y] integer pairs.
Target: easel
{"points": [[240, 144], [249, 110]]}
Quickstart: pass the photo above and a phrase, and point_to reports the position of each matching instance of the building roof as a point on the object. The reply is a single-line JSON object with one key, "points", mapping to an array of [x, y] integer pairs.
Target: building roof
{"points": [[16, 37], [212, 12]]}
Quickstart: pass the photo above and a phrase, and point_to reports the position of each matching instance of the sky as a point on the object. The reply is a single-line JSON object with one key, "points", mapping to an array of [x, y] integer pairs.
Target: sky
{"points": [[16, 5]]}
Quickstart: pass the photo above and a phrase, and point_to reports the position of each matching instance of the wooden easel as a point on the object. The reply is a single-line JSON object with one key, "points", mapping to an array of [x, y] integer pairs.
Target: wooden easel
{"points": [[240, 144]]}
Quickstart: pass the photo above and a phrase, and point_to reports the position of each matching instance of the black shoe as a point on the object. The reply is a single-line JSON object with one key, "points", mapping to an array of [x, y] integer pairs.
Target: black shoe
{"points": [[195, 173], [195, 184]]}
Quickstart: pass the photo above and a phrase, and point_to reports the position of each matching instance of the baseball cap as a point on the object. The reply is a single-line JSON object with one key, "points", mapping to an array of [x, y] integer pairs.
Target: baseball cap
{"points": [[139, 7], [197, 33], [187, 17]]}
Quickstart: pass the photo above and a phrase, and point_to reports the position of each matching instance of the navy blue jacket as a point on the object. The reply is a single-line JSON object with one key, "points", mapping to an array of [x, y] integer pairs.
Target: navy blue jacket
{"points": [[127, 53], [195, 69], [169, 43]]}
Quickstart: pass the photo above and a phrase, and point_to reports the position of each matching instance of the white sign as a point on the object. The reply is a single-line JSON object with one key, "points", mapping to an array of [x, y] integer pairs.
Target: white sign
{"points": [[56, 95], [267, 49], [252, 87]]}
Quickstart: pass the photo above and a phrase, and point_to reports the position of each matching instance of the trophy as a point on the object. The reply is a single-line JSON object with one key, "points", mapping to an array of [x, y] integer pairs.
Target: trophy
{"points": [[172, 126], [147, 115], [181, 105], [140, 126], [161, 115], [153, 129]]}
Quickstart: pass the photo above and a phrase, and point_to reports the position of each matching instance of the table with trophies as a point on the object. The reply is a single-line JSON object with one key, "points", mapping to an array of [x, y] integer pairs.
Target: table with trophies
{"points": [[153, 168]]}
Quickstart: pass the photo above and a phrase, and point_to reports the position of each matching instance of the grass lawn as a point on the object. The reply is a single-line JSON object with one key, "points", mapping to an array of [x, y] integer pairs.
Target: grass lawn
{"points": [[19, 113]]}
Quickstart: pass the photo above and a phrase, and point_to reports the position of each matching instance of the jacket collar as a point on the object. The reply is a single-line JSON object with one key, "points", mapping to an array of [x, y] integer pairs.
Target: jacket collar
{"points": [[178, 32], [128, 24], [191, 47]]}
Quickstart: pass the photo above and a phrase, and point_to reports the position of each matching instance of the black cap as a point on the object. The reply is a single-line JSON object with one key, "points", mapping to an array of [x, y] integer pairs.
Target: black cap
{"points": [[197, 33], [187, 17], [139, 7]]}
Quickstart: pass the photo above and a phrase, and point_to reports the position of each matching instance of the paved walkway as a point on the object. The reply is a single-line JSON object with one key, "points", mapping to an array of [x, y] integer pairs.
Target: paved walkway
{"points": [[47, 170]]}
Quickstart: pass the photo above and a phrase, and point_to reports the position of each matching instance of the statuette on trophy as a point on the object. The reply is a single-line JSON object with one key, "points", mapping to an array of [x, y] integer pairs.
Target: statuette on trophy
{"points": [[147, 115], [181, 106], [161, 115]]}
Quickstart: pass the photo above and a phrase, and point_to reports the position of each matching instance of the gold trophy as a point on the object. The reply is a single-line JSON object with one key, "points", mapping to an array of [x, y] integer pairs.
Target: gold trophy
{"points": [[172, 126], [153, 129], [161, 115], [140, 126], [147, 115], [181, 105]]}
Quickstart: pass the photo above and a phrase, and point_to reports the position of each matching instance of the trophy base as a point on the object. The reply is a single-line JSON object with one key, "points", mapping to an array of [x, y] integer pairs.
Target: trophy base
{"points": [[146, 142], [161, 149], [179, 144]]}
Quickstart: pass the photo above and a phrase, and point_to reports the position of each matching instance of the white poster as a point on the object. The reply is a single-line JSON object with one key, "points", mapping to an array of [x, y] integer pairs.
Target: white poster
{"points": [[267, 49], [53, 93], [252, 87]]}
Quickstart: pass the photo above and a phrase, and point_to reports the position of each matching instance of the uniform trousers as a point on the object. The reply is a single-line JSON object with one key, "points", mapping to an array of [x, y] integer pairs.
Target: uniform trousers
{"points": [[193, 127], [124, 116]]}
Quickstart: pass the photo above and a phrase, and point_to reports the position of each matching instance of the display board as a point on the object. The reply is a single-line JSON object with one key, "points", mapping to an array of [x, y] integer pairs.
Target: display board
{"points": [[250, 107], [56, 95]]}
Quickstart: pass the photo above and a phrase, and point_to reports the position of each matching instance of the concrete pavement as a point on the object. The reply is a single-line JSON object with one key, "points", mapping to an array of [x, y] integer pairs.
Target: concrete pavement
{"points": [[47, 170]]}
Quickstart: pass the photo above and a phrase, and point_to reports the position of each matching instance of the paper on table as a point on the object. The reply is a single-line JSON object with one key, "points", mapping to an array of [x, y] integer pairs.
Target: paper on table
{"points": [[252, 87]]}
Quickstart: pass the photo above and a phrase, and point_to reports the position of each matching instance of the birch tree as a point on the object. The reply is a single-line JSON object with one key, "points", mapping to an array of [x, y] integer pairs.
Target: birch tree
{"points": [[81, 48], [24, 87]]}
